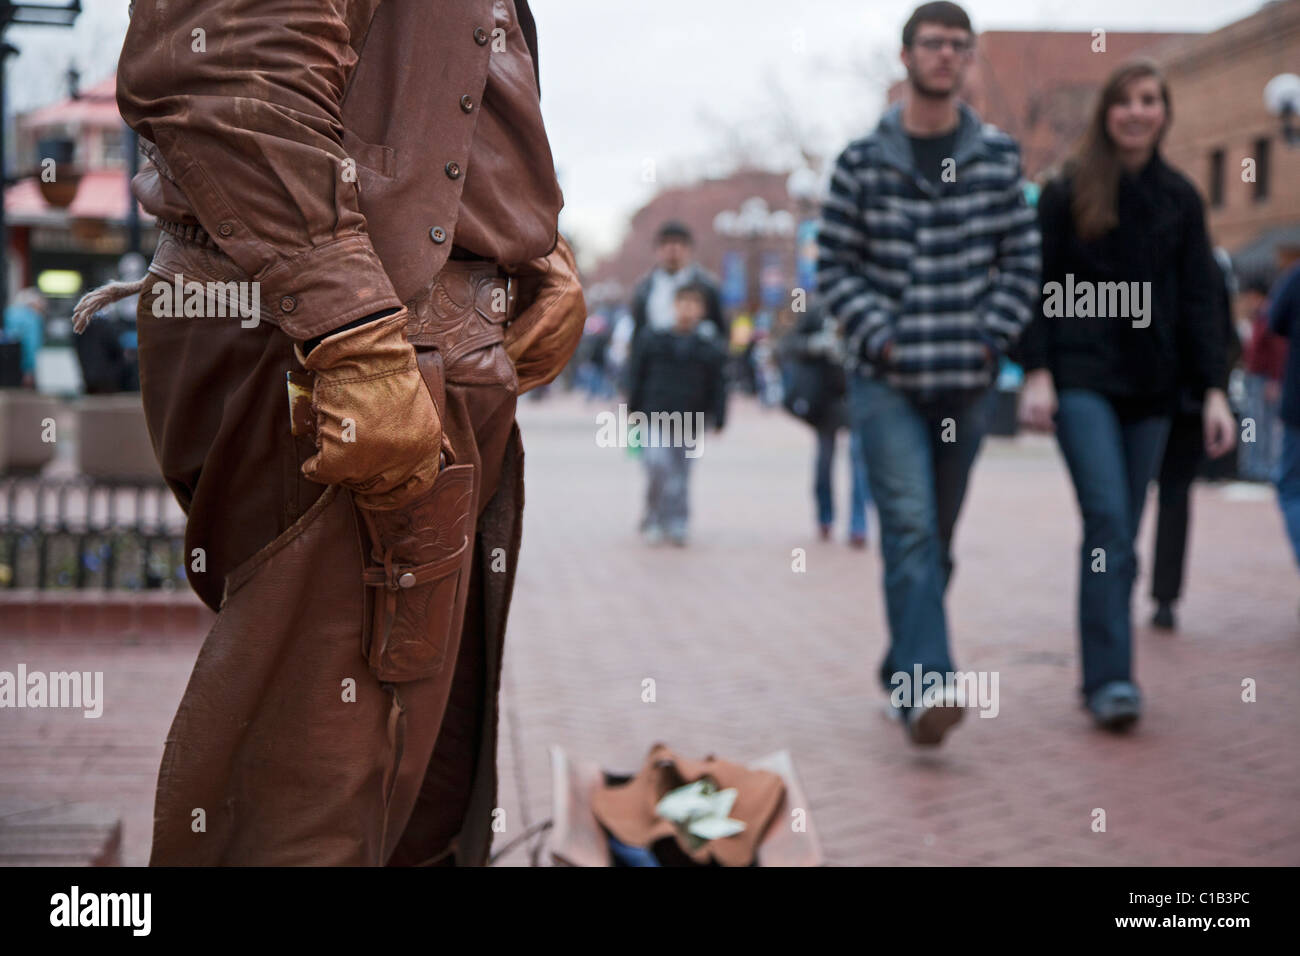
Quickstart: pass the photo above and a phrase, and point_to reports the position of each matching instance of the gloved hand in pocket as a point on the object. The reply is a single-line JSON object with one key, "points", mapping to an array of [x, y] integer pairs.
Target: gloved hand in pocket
{"points": [[378, 431], [546, 331]]}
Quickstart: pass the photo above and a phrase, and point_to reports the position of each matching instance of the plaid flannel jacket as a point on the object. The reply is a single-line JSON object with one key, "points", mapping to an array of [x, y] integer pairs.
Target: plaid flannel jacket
{"points": [[948, 272]]}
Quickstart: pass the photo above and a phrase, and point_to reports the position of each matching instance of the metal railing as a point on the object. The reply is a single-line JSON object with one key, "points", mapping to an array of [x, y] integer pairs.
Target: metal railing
{"points": [[77, 532]]}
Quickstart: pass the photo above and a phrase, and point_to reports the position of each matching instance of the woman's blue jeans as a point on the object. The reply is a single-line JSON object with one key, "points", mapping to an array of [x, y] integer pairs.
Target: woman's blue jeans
{"points": [[1111, 461], [823, 484], [1288, 484]]}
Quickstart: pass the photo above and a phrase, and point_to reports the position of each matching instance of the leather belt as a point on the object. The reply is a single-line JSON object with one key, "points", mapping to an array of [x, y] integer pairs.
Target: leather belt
{"points": [[468, 306], [190, 232]]}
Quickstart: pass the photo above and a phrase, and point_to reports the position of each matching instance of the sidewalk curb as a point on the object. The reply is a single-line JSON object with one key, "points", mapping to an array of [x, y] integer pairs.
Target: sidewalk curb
{"points": [[28, 612]]}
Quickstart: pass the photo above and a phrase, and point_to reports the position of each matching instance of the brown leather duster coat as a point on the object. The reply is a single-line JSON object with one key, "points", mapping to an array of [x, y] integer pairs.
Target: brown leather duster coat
{"points": [[333, 151], [330, 164]]}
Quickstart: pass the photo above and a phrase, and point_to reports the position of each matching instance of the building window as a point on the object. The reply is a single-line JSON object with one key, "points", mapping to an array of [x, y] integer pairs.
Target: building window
{"points": [[1216, 178], [113, 151], [1262, 149]]}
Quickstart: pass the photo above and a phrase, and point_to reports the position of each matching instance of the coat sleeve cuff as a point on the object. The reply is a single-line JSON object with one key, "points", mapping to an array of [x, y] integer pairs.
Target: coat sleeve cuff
{"points": [[328, 287], [877, 340], [997, 344]]}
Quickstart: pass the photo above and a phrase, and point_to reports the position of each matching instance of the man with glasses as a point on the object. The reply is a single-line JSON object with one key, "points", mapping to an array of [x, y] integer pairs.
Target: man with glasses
{"points": [[929, 260]]}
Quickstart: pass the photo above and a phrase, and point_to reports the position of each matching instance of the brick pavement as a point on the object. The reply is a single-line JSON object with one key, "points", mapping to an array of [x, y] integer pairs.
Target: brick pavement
{"points": [[749, 657]]}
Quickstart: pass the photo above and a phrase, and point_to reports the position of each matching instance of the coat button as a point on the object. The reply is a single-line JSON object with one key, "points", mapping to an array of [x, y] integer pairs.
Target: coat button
{"points": [[407, 580], [480, 36], [467, 103], [288, 304], [438, 234], [452, 170], [225, 229]]}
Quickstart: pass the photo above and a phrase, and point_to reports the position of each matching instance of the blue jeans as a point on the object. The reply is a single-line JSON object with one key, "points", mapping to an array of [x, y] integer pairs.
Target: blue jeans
{"points": [[668, 488], [822, 485], [1111, 462], [1259, 458], [918, 481], [1288, 484]]}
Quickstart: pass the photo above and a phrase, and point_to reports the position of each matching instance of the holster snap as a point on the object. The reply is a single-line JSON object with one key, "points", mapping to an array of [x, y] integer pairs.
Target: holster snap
{"points": [[416, 576]]}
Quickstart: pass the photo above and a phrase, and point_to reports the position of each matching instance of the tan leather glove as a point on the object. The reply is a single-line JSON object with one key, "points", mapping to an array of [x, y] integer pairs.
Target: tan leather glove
{"points": [[377, 429], [545, 332]]}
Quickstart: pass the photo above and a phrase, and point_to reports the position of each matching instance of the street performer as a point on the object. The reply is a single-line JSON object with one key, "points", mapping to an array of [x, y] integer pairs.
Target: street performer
{"points": [[349, 462]]}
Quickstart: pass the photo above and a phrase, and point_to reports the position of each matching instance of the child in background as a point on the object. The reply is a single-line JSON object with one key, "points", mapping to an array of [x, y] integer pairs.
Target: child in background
{"points": [[1265, 365], [679, 370]]}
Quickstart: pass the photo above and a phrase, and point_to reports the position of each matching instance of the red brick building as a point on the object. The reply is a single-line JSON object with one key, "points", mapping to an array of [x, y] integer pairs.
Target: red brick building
{"points": [[696, 205]]}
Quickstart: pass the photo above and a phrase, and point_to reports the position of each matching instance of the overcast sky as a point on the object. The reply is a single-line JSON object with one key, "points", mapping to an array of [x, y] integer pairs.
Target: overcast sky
{"points": [[639, 94]]}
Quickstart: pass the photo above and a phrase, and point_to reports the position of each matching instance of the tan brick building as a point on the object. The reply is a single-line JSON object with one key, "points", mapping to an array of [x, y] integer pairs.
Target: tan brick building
{"points": [[1217, 84]]}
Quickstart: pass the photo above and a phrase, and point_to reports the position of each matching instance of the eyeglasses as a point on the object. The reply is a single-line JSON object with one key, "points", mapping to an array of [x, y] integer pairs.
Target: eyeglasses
{"points": [[935, 44]]}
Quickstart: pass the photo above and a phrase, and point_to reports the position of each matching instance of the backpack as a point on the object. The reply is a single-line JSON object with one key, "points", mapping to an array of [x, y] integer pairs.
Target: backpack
{"points": [[813, 389]]}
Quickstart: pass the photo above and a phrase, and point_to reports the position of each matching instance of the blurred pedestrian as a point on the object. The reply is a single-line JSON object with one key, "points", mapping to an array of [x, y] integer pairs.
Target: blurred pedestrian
{"points": [[929, 260], [592, 356], [619, 350], [653, 299], [107, 350], [25, 324], [1119, 217], [1264, 363], [815, 389], [1183, 456], [676, 376], [1285, 321]]}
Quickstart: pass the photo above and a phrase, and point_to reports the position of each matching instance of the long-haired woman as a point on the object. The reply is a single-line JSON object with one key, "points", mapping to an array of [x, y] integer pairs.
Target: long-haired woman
{"points": [[1128, 310]]}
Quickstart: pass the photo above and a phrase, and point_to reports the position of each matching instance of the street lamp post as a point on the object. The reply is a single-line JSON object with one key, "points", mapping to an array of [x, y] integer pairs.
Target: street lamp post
{"points": [[752, 223], [804, 186], [1282, 97], [20, 14]]}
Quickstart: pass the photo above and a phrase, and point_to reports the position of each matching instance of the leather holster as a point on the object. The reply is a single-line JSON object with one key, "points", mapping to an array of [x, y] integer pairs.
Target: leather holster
{"points": [[416, 575], [417, 557]]}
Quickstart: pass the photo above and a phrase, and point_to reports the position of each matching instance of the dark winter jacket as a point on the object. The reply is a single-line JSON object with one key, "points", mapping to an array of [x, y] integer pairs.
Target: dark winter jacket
{"points": [[679, 372], [1285, 321], [1160, 239]]}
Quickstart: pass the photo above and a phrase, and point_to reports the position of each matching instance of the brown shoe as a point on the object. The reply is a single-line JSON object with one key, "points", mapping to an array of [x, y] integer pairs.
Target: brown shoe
{"points": [[926, 726]]}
